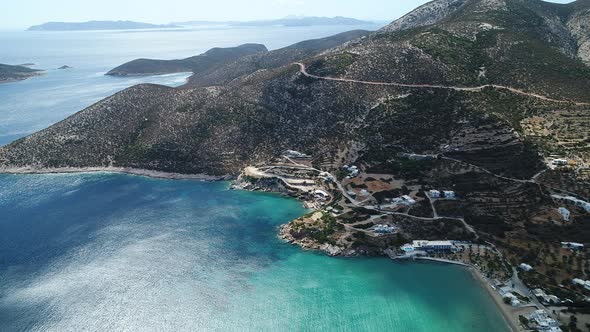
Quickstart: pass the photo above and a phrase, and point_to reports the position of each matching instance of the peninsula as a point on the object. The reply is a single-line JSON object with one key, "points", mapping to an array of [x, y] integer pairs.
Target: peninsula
{"points": [[459, 132], [9, 73]]}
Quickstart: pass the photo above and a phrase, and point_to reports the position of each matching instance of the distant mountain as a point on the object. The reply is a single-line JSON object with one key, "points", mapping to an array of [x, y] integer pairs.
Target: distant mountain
{"points": [[207, 61], [98, 25], [10, 73], [287, 21]]}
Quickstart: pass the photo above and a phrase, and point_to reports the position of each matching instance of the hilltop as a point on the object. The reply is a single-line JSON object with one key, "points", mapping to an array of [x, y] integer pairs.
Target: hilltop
{"points": [[487, 99], [199, 64], [98, 25]]}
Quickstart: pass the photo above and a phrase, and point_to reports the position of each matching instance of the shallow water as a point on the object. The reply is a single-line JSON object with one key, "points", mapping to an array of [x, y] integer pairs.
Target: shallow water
{"points": [[117, 252]]}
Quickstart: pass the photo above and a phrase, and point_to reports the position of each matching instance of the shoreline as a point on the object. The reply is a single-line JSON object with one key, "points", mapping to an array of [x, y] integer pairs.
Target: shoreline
{"points": [[120, 170], [510, 314]]}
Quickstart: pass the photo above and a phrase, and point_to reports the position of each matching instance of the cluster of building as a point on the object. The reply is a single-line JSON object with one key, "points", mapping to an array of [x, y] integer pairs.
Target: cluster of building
{"points": [[429, 246], [295, 154], [546, 299], [384, 229], [540, 320], [353, 171], [583, 283], [442, 194], [506, 292], [573, 200]]}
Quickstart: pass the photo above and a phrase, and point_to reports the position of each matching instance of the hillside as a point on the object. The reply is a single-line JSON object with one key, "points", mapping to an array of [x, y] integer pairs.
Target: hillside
{"points": [[273, 59], [199, 65], [98, 25], [10, 73], [487, 99]]}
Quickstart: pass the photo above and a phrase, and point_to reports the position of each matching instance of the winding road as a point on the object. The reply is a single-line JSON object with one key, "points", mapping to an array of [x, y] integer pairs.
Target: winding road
{"points": [[303, 71]]}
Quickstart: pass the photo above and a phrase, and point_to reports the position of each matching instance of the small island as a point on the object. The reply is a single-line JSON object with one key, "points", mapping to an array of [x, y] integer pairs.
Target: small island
{"points": [[98, 25], [10, 73]]}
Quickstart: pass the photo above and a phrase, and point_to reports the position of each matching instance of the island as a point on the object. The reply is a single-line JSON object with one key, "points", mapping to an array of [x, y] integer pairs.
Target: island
{"points": [[98, 25], [458, 133], [9, 73], [292, 21]]}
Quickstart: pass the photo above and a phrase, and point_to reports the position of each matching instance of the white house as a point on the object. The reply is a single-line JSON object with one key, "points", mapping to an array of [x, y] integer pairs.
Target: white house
{"points": [[565, 213], [295, 154], [578, 202], [434, 193], [543, 321], [449, 194], [560, 162], [322, 195], [572, 245], [526, 267], [409, 200], [384, 229]]}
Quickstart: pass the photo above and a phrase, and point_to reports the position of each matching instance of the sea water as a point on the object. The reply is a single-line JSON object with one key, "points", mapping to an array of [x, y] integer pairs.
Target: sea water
{"points": [[111, 252], [34, 104]]}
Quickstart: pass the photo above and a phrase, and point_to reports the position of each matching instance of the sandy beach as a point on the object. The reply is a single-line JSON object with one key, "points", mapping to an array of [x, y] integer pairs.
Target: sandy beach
{"points": [[509, 313], [124, 170]]}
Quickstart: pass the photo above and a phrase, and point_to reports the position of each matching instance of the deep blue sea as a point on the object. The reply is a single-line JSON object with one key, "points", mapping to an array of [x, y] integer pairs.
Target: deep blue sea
{"points": [[112, 252], [109, 252]]}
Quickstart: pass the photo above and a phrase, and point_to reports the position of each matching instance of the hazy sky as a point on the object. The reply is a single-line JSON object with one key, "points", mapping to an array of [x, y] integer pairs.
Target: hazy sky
{"points": [[23, 13]]}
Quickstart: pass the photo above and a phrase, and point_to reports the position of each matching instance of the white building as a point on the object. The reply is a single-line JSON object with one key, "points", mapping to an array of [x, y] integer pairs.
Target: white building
{"points": [[295, 154], [433, 245], [583, 283], [560, 162], [565, 213], [572, 245], [449, 194], [409, 200], [526, 267], [321, 195], [384, 229], [353, 171], [542, 320], [434, 193], [576, 201]]}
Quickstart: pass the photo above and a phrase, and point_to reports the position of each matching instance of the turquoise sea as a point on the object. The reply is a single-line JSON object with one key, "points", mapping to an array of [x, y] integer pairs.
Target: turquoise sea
{"points": [[110, 252]]}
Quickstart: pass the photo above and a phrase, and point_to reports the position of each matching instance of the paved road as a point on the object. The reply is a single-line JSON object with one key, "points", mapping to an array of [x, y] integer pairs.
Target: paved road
{"points": [[480, 88]]}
